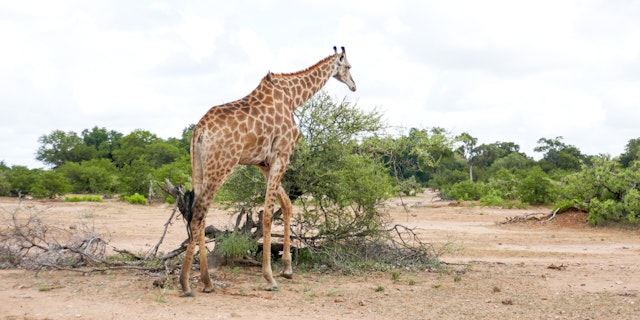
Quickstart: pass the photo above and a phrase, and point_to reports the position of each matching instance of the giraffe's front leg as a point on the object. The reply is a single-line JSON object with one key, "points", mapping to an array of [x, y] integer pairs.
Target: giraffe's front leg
{"points": [[267, 273], [285, 204], [274, 174]]}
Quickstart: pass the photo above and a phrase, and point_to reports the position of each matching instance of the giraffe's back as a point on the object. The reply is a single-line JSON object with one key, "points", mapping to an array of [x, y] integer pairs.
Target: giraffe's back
{"points": [[251, 130]]}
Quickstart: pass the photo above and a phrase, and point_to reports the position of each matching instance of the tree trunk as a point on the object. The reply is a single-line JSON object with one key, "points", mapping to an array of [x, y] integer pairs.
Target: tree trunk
{"points": [[152, 194]]}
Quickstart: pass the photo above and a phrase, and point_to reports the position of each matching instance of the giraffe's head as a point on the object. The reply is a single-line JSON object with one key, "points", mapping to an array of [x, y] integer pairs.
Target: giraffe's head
{"points": [[342, 72]]}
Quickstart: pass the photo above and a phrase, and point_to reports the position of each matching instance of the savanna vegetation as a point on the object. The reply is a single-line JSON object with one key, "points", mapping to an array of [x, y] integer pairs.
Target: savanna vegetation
{"points": [[346, 163]]}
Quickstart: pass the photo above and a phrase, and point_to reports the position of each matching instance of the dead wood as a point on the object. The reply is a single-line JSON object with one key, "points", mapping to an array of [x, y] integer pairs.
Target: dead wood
{"points": [[30, 242], [561, 267], [105, 268], [524, 217], [130, 254], [550, 216], [38, 245], [563, 210]]}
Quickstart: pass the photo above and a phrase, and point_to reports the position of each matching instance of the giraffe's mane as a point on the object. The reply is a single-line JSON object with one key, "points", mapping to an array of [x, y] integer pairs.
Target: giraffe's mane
{"points": [[315, 66]]}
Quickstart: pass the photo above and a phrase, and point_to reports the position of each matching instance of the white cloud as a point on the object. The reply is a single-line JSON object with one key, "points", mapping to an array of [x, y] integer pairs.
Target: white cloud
{"points": [[500, 70], [198, 34]]}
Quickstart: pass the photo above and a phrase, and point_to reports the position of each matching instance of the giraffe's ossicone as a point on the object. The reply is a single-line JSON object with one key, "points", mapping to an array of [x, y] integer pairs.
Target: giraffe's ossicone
{"points": [[259, 130]]}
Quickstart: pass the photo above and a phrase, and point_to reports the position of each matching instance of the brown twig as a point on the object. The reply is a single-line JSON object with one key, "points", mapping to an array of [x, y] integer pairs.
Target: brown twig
{"points": [[154, 250], [101, 269]]}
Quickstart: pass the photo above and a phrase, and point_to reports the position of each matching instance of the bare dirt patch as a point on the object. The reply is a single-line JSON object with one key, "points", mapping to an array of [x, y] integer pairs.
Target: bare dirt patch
{"points": [[565, 269]]}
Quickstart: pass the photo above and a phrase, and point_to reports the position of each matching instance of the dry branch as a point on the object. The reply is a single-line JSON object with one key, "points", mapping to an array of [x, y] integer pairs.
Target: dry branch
{"points": [[524, 217], [533, 215], [154, 250], [29, 241], [561, 267], [562, 210]]}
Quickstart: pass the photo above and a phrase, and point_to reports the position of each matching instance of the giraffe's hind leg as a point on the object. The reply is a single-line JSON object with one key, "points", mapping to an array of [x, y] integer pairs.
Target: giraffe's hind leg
{"points": [[198, 236], [285, 204], [186, 269], [204, 194], [201, 206], [197, 214]]}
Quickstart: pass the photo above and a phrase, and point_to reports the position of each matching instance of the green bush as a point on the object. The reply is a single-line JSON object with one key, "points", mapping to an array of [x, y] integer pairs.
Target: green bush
{"points": [[503, 183], [49, 184], [607, 191], [610, 210], [96, 176], [631, 202], [410, 187], [178, 172], [536, 188], [5, 186], [73, 199], [236, 245], [492, 199], [466, 190], [83, 199], [136, 198], [602, 211], [21, 180]]}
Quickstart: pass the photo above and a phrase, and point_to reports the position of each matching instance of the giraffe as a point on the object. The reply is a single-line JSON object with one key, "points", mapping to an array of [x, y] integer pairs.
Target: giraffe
{"points": [[259, 130]]}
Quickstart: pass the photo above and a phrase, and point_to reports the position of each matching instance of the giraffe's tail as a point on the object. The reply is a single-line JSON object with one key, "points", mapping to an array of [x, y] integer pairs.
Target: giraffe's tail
{"points": [[186, 209]]}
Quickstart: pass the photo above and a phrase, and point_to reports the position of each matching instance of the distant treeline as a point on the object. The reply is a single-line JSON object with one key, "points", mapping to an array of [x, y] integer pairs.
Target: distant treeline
{"points": [[340, 143]]}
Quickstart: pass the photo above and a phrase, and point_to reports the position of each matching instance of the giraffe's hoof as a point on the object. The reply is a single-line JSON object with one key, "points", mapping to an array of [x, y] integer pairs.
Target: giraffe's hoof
{"points": [[209, 290], [273, 288], [287, 275], [188, 295]]}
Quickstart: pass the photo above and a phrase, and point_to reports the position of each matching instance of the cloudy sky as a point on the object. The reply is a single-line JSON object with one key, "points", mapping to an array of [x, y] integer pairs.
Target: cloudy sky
{"points": [[511, 71]]}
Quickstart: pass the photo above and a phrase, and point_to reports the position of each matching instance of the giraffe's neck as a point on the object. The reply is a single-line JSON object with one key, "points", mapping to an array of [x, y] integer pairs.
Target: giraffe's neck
{"points": [[301, 86]]}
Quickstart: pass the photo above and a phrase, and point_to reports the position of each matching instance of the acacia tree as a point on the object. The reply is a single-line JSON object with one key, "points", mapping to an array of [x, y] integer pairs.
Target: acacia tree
{"points": [[342, 183], [558, 155], [337, 183], [631, 152], [488, 154], [59, 147]]}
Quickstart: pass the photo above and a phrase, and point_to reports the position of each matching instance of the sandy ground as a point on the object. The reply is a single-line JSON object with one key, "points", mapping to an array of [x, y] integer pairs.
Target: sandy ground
{"points": [[496, 272]]}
